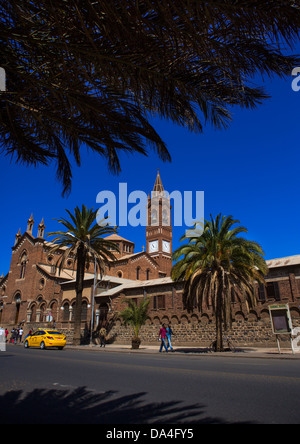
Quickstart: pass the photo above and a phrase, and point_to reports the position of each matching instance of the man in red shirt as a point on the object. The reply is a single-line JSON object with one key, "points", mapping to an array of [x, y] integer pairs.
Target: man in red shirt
{"points": [[162, 337]]}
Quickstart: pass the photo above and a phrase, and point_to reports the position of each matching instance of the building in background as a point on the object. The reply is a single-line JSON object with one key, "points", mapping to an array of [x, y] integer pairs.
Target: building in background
{"points": [[34, 293]]}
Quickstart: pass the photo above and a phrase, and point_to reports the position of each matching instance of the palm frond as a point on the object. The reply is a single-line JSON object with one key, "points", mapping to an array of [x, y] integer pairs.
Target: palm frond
{"points": [[135, 315], [94, 73], [218, 265]]}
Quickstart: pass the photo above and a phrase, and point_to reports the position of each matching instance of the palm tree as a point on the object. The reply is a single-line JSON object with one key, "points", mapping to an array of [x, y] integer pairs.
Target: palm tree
{"points": [[136, 316], [217, 265], [84, 241], [86, 73]]}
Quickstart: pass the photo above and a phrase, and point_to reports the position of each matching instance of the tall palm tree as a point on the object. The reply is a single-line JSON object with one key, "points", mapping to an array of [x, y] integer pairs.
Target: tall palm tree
{"points": [[217, 265], [135, 315], [83, 240], [87, 73]]}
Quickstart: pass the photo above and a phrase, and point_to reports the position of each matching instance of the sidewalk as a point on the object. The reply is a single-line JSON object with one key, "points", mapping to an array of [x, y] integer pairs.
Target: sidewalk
{"points": [[242, 352]]}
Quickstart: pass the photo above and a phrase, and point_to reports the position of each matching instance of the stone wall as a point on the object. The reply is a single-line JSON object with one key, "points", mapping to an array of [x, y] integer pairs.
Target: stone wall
{"points": [[244, 333]]}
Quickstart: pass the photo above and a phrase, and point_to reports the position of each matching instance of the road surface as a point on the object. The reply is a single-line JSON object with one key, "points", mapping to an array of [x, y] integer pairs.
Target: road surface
{"points": [[70, 386]]}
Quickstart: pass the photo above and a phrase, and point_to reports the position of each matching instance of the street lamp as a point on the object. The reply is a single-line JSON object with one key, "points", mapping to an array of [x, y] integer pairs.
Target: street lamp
{"points": [[94, 286]]}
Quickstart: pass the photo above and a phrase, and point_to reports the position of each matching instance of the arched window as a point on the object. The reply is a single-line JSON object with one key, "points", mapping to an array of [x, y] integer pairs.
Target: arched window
{"points": [[24, 260], [17, 299], [33, 313], [84, 311], [73, 311], [166, 217], [138, 273], [53, 310], [153, 217], [43, 312], [148, 275], [66, 312]]}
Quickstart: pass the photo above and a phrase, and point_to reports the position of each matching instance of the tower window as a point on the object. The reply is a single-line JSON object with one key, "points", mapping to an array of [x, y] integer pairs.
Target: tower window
{"points": [[24, 261], [154, 219]]}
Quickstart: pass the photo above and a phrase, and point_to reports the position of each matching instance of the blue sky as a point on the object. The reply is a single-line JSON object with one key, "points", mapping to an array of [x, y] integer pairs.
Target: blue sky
{"points": [[250, 171]]}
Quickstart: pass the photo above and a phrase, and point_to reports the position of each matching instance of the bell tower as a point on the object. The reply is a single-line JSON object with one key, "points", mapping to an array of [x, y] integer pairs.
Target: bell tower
{"points": [[159, 233]]}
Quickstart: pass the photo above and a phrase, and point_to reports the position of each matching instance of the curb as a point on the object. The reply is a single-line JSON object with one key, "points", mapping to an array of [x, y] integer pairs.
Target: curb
{"points": [[239, 354]]}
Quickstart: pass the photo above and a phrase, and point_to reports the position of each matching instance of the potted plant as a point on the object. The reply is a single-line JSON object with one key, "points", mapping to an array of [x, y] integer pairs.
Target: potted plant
{"points": [[136, 316]]}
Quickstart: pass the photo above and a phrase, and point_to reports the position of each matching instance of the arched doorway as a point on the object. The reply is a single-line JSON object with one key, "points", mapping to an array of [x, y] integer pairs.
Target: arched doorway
{"points": [[103, 312]]}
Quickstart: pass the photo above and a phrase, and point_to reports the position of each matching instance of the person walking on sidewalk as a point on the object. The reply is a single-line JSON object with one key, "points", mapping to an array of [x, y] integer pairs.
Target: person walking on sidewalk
{"points": [[103, 334], [162, 337], [21, 331], [169, 337], [12, 336], [15, 336]]}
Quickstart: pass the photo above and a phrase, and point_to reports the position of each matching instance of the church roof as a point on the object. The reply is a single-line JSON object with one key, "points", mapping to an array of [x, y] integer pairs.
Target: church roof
{"points": [[158, 186], [116, 237], [284, 261], [64, 274], [105, 278], [136, 284]]}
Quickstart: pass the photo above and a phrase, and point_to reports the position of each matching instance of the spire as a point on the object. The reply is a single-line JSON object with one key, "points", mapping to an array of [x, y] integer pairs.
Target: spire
{"points": [[30, 224], [158, 186], [41, 229], [18, 237]]}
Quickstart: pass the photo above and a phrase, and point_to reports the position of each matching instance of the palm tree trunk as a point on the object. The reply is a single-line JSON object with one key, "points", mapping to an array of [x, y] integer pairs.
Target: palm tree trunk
{"points": [[81, 258], [219, 321]]}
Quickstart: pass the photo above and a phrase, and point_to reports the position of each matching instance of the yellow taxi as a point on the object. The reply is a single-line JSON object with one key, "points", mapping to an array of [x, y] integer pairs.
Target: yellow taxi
{"points": [[43, 339]]}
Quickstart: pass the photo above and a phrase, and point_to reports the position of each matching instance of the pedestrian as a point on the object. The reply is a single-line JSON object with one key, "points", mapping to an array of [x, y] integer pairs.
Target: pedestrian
{"points": [[162, 337], [6, 334], [16, 335], [170, 333], [21, 331], [2, 339], [103, 334], [12, 335]]}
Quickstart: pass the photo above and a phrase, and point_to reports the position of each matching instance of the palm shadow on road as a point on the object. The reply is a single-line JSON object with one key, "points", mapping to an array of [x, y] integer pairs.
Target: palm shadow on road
{"points": [[81, 406]]}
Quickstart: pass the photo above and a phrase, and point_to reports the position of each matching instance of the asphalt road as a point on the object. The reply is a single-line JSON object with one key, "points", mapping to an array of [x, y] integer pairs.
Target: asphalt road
{"points": [[40, 387]]}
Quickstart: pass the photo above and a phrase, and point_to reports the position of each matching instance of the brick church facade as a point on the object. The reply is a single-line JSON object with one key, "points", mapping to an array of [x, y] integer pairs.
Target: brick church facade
{"points": [[34, 293]]}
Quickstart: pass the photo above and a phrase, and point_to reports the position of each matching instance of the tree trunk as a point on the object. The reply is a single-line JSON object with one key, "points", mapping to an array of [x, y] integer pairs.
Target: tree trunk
{"points": [[219, 321], [81, 258]]}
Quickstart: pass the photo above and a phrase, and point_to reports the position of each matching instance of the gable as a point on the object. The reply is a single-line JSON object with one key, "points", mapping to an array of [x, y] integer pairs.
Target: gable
{"points": [[144, 259], [26, 239]]}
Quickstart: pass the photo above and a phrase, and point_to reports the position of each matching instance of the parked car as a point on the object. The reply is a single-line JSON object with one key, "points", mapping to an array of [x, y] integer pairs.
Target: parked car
{"points": [[46, 339]]}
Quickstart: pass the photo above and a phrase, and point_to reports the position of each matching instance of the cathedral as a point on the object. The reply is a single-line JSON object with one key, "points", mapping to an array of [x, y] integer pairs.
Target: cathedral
{"points": [[35, 294], [34, 291]]}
